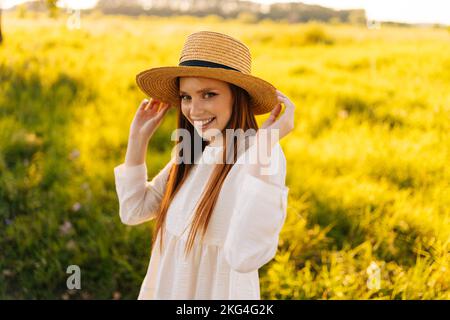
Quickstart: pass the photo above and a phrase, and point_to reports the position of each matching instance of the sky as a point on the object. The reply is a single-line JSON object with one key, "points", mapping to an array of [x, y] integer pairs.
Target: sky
{"points": [[410, 11]]}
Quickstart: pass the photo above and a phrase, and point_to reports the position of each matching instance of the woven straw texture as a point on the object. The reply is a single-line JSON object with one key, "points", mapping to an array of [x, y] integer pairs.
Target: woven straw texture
{"points": [[213, 47]]}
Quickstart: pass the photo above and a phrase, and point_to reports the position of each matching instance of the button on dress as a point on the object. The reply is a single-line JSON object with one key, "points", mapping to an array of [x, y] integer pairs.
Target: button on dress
{"points": [[241, 237]]}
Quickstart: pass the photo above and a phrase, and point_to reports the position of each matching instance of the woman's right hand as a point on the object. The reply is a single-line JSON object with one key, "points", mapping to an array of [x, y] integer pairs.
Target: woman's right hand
{"points": [[147, 119]]}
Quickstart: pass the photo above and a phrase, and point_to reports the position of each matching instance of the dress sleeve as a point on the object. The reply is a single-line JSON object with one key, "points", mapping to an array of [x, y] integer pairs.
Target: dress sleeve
{"points": [[139, 199], [258, 217]]}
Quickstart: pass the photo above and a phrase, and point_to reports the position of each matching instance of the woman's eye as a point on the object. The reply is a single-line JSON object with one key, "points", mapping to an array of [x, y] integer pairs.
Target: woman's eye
{"points": [[211, 93]]}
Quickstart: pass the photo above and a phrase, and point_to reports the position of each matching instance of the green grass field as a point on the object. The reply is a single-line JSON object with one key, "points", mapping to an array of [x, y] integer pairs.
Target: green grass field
{"points": [[368, 161]]}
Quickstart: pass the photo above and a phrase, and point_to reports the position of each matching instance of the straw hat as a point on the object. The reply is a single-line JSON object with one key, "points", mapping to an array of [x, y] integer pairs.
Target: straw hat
{"points": [[212, 55]]}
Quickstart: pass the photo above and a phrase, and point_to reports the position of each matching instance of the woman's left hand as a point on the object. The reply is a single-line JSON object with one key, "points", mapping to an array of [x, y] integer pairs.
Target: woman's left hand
{"points": [[271, 131], [275, 129]]}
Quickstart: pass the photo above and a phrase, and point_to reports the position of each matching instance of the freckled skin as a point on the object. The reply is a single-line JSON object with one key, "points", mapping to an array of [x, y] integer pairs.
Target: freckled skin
{"points": [[217, 102]]}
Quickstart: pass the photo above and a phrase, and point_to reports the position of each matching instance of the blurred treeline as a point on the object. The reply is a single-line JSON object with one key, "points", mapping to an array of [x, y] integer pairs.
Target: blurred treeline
{"points": [[254, 11]]}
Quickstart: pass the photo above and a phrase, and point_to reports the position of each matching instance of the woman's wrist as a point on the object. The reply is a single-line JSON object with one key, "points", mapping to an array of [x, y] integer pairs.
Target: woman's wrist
{"points": [[260, 160], [138, 138], [136, 151]]}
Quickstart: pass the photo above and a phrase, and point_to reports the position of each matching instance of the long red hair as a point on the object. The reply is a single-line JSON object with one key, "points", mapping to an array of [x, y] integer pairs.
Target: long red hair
{"points": [[243, 118]]}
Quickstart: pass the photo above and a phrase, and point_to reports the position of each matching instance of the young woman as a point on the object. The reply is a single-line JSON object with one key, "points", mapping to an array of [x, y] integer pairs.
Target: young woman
{"points": [[219, 204]]}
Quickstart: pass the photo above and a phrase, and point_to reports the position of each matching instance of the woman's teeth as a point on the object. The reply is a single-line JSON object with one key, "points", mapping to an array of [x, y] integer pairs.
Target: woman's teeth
{"points": [[205, 122]]}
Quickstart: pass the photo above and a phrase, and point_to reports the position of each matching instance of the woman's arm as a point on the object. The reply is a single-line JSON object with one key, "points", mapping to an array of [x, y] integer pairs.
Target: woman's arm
{"points": [[261, 208], [259, 215], [139, 199]]}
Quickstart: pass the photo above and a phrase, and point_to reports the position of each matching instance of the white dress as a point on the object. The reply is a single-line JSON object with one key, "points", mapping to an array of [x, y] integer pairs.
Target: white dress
{"points": [[241, 237]]}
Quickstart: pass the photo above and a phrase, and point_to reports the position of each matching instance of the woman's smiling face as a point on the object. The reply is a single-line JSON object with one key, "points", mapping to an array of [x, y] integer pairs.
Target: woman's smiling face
{"points": [[206, 103]]}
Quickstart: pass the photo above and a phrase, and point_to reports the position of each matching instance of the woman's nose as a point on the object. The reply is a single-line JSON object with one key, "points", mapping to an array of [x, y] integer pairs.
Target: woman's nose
{"points": [[196, 106]]}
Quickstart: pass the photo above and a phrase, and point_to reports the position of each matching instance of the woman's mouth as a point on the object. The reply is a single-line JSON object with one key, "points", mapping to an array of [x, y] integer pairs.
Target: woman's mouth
{"points": [[203, 124]]}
